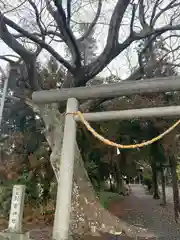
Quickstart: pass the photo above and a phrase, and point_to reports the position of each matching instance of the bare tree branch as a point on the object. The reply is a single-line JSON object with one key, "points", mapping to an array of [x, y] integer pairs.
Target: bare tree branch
{"points": [[158, 31], [112, 48], [154, 11], [37, 18], [142, 14], [66, 32], [132, 18], [171, 5], [15, 8], [93, 23], [47, 33], [36, 40], [28, 57], [68, 12], [38, 21]]}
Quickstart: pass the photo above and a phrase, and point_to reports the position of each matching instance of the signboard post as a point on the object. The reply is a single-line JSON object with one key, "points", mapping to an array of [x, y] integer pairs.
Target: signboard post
{"points": [[17, 206]]}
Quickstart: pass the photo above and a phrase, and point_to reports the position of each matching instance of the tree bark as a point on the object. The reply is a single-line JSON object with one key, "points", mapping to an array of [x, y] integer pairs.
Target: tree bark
{"points": [[173, 164], [87, 212], [155, 182], [163, 184], [87, 216]]}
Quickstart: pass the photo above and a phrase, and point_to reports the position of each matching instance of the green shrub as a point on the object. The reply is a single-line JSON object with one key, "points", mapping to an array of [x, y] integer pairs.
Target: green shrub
{"points": [[148, 181]]}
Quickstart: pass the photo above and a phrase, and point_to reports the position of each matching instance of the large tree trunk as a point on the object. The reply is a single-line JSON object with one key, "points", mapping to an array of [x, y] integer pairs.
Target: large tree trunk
{"points": [[173, 164], [155, 182], [87, 213]]}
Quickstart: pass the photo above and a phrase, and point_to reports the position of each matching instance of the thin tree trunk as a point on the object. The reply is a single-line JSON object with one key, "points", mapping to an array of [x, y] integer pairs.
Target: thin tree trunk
{"points": [[113, 173], [46, 191], [111, 184], [120, 185], [155, 182], [173, 164], [163, 184]]}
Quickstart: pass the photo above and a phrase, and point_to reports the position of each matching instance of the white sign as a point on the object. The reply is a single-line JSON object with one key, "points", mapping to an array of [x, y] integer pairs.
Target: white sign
{"points": [[17, 206], [118, 151]]}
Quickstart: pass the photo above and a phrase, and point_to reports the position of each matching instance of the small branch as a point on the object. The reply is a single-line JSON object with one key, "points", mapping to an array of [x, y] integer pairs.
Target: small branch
{"points": [[5, 58], [68, 12], [66, 32], [158, 31], [38, 21], [93, 23], [14, 9], [33, 5], [47, 33], [142, 14], [154, 11], [132, 18], [171, 5], [173, 64]]}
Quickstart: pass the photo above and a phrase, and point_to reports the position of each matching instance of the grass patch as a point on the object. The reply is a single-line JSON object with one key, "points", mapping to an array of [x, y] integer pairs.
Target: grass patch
{"points": [[107, 197]]}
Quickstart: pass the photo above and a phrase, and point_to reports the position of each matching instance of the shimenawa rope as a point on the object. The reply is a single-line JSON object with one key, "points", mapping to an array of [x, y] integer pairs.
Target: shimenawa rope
{"points": [[113, 144]]}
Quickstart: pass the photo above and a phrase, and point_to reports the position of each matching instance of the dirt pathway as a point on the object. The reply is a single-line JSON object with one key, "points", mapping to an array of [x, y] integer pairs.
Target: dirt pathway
{"points": [[141, 210]]}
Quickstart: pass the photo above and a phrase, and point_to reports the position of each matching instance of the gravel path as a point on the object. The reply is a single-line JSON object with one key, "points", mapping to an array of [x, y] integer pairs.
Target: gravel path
{"points": [[141, 210]]}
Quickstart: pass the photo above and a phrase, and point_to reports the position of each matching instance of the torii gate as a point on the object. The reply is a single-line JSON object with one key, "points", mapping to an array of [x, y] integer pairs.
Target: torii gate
{"points": [[72, 95]]}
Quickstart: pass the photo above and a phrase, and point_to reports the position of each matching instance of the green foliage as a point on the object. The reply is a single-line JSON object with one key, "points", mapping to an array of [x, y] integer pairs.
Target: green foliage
{"points": [[32, 195], [33, 191], [23, 130], [147, 180]]}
